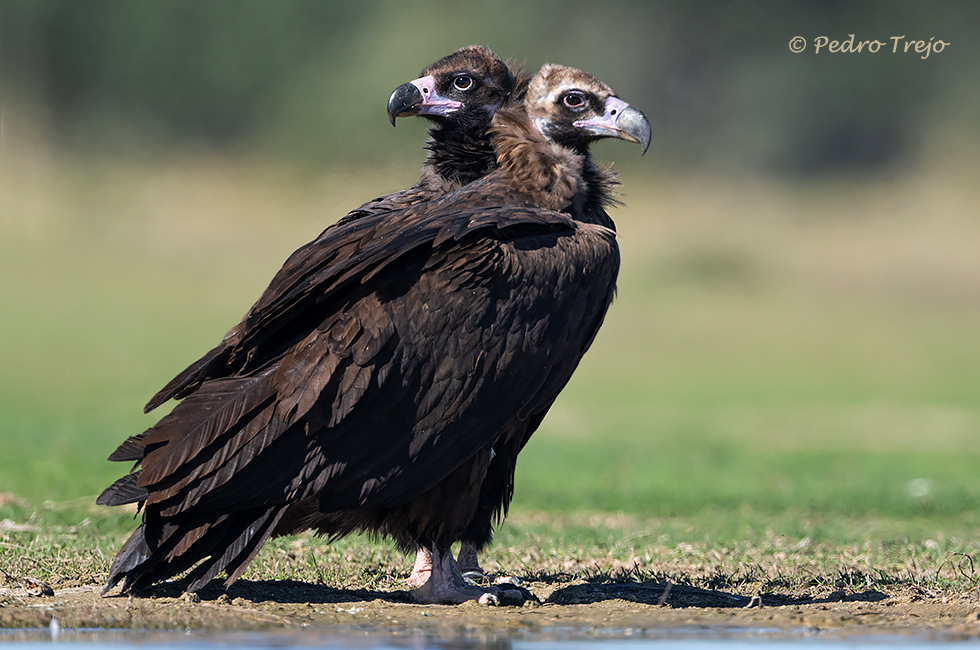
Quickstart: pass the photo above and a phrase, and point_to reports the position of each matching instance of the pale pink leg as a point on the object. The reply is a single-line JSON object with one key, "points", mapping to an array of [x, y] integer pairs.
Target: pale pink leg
{"points": [[447, 586], [422, 568]]}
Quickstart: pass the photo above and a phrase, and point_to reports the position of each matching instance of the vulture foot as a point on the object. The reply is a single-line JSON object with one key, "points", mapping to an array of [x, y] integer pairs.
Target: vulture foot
{"points": [[446, 585]]}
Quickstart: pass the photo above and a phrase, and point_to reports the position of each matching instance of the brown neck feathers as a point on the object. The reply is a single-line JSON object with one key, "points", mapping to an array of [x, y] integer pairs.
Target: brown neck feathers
{"points": [[550, 174]]}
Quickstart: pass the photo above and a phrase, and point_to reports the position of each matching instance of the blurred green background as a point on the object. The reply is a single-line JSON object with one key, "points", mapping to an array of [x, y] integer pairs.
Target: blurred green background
{"points": [[798, 318], [305, 80]]}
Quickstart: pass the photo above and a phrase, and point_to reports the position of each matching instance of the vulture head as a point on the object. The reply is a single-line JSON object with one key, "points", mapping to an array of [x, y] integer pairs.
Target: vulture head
{"points": [[466, 86], [572, 108]]}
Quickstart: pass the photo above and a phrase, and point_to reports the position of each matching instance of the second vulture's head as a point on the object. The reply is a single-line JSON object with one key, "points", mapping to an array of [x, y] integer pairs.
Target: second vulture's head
{"points": [[572, 108], [466, 86]]}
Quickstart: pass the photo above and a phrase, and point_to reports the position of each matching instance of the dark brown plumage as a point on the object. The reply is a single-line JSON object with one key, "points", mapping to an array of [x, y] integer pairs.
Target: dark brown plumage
{"points": [[387, 363]]}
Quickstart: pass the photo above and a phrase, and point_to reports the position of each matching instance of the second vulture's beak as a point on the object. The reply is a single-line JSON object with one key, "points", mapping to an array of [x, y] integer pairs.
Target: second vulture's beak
{"points": [[619, 121], [419, 97]]}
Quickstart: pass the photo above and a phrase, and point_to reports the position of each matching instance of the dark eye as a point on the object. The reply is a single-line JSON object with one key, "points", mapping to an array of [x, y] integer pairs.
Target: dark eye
{"points": [[463, 82], [574, 100]]}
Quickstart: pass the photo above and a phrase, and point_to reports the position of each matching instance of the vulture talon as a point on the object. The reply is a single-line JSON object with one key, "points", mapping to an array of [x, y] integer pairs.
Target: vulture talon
{"points": [[475, 577]]}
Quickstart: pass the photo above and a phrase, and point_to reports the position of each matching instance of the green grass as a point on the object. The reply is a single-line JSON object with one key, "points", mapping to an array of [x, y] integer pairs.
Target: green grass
{"points": [[796, 363]]}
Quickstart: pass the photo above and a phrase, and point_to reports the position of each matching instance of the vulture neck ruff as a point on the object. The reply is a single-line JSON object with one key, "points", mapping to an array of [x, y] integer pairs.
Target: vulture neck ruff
{"points": [[460, 152], [555, 177]]}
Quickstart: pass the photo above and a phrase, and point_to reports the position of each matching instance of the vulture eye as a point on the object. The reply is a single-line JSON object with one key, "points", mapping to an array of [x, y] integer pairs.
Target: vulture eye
{"points": [[574, 100], [463, 82]]}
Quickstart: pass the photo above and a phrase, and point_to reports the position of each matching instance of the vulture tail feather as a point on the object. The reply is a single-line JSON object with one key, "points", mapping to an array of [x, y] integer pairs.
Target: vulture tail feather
{"points": [[133, 553], [249, 536], [228, 544]]}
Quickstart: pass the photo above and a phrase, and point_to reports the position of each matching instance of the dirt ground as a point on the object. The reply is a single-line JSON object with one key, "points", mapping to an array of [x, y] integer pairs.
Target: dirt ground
{"points": [[578, 610]]}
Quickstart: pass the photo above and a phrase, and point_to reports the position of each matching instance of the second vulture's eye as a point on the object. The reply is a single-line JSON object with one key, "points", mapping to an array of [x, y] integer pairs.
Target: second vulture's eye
{"points": [[574, 100], [463, 82]]}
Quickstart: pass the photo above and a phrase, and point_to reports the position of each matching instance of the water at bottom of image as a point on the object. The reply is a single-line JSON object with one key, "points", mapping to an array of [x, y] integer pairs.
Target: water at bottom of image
{"points": [[686, 638]]}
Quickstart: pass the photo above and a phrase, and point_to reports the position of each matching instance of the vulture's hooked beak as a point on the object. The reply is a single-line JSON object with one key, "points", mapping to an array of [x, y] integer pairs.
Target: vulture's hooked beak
{"points": [[419, 97], [619, 121]]}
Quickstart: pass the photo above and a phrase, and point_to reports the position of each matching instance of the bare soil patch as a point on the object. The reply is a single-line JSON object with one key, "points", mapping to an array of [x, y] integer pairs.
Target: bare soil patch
{"points": [[580, 608]]}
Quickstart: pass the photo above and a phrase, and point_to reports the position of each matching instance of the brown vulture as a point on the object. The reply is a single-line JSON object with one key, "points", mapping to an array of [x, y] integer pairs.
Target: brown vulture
{"points": [[391, 362]]}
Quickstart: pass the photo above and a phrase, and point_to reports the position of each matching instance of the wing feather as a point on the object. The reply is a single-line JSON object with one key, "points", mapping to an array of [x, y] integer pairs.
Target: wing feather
{"points": [[198, 422]]}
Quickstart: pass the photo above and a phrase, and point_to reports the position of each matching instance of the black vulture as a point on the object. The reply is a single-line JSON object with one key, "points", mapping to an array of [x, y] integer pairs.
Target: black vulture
{"points": [[371, 384], [459, 93]]}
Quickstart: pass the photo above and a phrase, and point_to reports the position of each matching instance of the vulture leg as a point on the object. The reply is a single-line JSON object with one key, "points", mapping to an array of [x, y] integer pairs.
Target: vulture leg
{"points": [[469, 566], [446, 585], [422, 568], [469, 563]]}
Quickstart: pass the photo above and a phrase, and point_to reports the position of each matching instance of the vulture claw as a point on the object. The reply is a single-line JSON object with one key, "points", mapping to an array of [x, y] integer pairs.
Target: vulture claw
{"points": [[489, 599], [474, 577]]}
